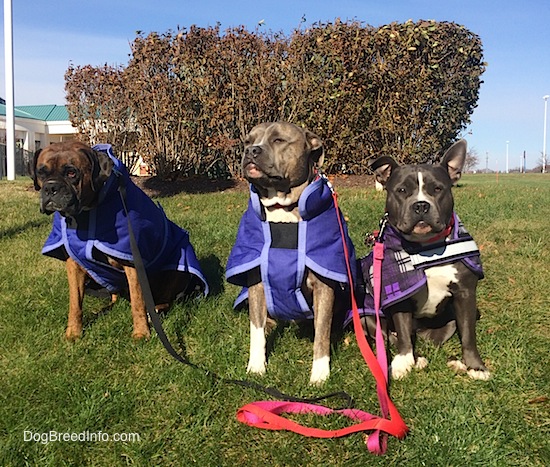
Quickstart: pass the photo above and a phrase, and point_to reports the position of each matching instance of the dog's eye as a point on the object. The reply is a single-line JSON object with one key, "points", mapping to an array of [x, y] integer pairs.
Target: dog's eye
{"points": [[71, 173], [438, 189], [278, 140], [401, 190]]}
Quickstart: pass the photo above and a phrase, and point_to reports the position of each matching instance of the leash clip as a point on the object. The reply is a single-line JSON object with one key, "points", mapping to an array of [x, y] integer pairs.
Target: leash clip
{"points": [[322, 175], [376, 235], [383, 224]]}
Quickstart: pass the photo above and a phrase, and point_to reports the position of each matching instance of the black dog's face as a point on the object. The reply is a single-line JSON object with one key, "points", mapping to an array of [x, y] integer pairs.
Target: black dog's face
{"points": [[68, 176], [419, 199], [280, 156], [419, 202]]}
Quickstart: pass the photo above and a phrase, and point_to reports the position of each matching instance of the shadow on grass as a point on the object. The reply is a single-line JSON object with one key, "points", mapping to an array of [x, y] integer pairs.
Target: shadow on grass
{"points": [[16, 230], [161, 187], [214, 273]]}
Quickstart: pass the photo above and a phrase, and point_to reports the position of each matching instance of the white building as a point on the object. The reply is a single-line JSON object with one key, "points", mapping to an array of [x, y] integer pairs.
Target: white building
{"points": [[37, 126]]}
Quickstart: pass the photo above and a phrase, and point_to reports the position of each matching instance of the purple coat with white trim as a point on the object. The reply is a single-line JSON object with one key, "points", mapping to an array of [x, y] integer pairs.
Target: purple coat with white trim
{"points": [[283, 251], [104, 231], [404, 264]]}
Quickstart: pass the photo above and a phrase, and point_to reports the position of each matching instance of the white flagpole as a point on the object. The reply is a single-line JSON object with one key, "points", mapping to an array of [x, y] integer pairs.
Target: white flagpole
{"points": [[10, 112]]}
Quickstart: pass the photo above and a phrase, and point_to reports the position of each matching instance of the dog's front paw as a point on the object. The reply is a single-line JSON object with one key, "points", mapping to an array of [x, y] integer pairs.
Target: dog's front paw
{"points": [[401, 365], [421, 363], [141, 334], [73, 333], [459, 367], [320, 371], [482, 375], [256, 365]]}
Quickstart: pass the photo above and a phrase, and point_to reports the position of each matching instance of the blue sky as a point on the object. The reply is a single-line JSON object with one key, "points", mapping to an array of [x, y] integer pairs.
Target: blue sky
{"points": [[516, 40]]}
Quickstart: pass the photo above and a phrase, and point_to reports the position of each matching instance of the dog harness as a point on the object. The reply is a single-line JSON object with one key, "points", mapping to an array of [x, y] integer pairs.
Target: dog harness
{"points": [[101, 231], [283, 251], [405, 262]]}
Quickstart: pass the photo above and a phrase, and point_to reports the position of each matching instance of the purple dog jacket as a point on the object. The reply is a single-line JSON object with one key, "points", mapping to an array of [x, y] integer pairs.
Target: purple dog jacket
{"points": [[404, 264], [283, 251], [104, 231]]}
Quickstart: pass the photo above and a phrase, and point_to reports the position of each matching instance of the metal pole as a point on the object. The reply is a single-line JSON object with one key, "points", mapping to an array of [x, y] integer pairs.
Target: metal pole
{"points": [[507, 165], [544, 135], [10, 112]]}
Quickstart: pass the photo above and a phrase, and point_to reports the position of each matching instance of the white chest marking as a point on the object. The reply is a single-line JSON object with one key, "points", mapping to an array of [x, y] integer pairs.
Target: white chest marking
{"points": [[279, 215], [421, 195], [439, 279]]}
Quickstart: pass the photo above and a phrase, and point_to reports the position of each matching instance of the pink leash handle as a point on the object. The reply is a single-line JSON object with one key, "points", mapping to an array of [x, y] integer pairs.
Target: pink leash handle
{"points": [[266, 415]]}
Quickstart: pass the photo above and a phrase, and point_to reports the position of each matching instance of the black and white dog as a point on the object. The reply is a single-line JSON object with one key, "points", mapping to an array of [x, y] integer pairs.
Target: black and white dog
{"points": [[431, 264]]}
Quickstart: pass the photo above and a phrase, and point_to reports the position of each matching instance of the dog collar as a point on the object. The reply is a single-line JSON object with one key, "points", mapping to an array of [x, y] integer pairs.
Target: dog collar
{"points": [[444, 233]]}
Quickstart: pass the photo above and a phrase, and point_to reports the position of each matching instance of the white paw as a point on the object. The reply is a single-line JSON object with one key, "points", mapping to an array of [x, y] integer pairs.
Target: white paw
{"points": [[421, 363], [256, 365], [320, 371], [401, 365], [257, 362], [458, 367], [479, 374]]}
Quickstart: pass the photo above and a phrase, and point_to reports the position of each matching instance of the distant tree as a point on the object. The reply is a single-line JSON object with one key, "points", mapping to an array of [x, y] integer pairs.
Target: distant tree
{"points": [[472, 160]]}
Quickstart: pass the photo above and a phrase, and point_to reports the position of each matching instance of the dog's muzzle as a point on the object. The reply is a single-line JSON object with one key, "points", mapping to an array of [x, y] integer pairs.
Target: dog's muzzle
{"points": [[58, 196]]}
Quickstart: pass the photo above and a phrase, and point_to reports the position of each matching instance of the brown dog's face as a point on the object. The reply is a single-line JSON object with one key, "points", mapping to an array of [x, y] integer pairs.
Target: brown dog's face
{"points": [[68, 176], [280, 156]]}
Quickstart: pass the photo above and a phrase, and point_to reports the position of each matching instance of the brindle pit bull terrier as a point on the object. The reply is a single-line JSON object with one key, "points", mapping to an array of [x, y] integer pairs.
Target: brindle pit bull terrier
{"points": [[424, 238], [80, 185], [280, 161]]}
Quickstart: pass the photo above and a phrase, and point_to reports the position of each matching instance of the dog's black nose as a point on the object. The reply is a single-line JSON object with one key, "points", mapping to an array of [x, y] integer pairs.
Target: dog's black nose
{"points": [[50, 188], [421, 207], [253, 151]]}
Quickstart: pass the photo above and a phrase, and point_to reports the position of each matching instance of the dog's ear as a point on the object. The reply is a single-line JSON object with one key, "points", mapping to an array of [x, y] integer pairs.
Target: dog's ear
{"points": [[317, 154], [31, 169], [382, 168], [454, 159], [102, 166], [104, 169]]}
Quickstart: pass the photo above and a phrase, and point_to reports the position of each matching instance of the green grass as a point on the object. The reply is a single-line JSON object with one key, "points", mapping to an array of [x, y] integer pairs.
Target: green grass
{"points": [[108, 383]]}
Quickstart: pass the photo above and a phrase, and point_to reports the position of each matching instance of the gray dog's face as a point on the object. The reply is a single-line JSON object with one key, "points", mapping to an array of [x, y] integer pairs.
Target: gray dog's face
{"points": [[419, 199], [280, 156]]}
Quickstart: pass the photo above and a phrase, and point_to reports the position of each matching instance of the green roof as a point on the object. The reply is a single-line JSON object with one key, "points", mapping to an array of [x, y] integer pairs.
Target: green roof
{"points": [[47, 113]]}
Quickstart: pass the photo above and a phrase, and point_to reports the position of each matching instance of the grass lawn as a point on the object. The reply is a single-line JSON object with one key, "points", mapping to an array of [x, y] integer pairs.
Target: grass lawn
{"points": [[165, 413]]}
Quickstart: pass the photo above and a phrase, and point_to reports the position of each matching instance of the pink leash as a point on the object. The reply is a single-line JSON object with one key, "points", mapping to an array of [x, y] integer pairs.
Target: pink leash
{"points": [[267, 414]]}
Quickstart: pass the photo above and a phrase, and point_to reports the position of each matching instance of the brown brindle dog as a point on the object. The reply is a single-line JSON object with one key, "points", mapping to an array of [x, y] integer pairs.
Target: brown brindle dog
{"points": [[70, 177]]}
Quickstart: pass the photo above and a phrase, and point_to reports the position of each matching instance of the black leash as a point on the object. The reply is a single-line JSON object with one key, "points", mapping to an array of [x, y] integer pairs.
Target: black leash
{"points": [[157, 325]]}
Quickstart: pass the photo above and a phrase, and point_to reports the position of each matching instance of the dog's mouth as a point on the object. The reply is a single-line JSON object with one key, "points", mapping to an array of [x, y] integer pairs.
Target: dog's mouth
{"points": [[69, 210], [422, 228], [251, 170], [256, 175], [423, 232]]}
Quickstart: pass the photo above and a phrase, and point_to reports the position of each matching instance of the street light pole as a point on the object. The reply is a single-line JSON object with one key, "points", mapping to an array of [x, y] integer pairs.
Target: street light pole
{"points": [[544, 135], [507, 165]]}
